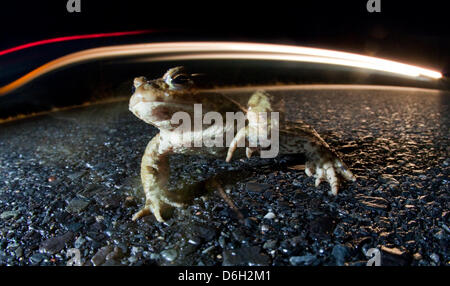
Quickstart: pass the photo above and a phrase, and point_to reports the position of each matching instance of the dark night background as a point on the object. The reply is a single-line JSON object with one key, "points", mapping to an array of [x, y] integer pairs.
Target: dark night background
{"points": [[411, 32], [408, 31]]}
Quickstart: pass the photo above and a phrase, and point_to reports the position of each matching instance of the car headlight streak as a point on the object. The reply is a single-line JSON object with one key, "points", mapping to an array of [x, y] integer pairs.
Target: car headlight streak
{"points": [[227, 50]]}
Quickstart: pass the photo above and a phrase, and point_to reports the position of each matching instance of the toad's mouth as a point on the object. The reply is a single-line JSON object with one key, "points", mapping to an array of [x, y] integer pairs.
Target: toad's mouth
{"points": [[151, 111]]}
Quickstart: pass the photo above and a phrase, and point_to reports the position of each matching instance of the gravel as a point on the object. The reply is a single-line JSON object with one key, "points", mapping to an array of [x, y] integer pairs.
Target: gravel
{"points": [[70, 179]]}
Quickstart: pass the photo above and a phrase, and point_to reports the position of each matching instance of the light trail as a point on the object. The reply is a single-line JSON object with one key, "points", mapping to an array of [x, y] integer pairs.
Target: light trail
{"points": [[227, 50], [70, 38]]}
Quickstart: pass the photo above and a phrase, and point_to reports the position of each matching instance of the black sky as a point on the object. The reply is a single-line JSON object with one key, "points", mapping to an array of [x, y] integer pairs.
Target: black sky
{"points": [[408, 31]]}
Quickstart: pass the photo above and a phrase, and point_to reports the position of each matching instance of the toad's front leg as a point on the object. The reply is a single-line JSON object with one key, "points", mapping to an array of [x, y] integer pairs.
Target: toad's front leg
{"points": [[298, 137], [154, 176]]}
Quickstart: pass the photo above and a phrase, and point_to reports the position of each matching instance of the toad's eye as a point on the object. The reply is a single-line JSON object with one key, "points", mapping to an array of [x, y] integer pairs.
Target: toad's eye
{"points": [[133, 89]]}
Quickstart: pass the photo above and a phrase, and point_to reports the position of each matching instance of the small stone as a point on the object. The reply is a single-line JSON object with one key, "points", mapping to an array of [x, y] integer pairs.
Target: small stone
{"points": [[373, 203], [435, 258], [269, 215], [440, 234], [132, 259], [302, 260], [194, 241], [74, 227], [222, 241], [208, 249], [18, 252], [9, 214], [136, 250], [423, 177], [12, 245], [79, 242], [76, 175], [56, 244], [340, 253], [100, 257], [154, 256], [37, 258], [169, 254], [240, 235], [297, 183], [77, 205], [270, 244], [116, 254]]}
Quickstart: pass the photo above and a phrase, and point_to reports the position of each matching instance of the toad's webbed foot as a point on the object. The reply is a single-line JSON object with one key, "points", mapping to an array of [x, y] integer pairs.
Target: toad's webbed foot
{"points": [[328, 167], [160, 206]]}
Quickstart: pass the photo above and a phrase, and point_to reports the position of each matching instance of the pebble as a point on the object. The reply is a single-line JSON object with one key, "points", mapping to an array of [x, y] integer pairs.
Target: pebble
{"points": [[37, 258], [56, 244], [76, 175], [208, 249], [132, 259], [340, 253], [222, 241], [435, 258], [154, 256], [440, 235], [169, 254], [373, 203], [269, 215], [79, 242], [270, 244], [18, 252], [74, 227], [302, 260], [100, 257], [77, 205], [195, 241], [9, 214], [136, 250], [116, 254]]}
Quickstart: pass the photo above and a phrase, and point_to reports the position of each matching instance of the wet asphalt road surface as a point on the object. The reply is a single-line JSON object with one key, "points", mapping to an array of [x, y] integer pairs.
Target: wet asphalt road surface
{"points": [[70, 179]]}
